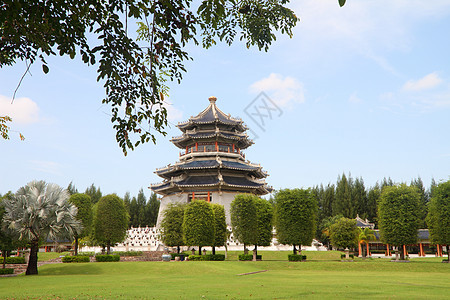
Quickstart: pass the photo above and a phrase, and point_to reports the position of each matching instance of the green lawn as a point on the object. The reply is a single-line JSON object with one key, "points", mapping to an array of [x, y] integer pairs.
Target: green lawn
{"points": [[376, 278]]}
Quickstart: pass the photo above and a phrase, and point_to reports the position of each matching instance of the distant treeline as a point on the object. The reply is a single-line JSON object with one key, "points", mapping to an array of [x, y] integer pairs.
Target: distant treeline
{"points": [[142, 212]]}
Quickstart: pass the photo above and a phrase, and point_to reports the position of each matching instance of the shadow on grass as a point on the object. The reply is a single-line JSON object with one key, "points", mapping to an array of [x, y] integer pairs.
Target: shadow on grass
{"points": [[71, 269]]}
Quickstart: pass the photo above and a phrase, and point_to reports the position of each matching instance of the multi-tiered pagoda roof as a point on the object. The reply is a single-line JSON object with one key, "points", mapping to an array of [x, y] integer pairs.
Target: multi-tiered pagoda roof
{"points": [[212, 159]]}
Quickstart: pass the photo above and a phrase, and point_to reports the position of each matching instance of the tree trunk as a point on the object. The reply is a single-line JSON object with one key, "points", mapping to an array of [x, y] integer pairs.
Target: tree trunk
{"points": [[254, 254], [448, 255], [213, 250], [245, 250], [178, 249], [76, 245], [108, 248], [256, 248], [295, 250], [32, 262], [402, 253], [4, 259], [199, 250], [368, 249]]}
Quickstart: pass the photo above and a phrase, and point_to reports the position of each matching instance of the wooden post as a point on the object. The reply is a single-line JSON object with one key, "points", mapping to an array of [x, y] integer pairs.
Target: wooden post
{"points": [[233, 147], [209, 197], [388, 253], [186, 149], [421, 250], [404, 251], [193, 195], [196, 147]]}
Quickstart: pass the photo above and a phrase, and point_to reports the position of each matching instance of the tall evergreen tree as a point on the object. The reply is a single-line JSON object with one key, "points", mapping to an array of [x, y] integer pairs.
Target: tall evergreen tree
{"points": [[344, 203], [372, 203], [152, 210], [423, 201], [220, 227], [264, 212], [134, 212], [127, 202], [244, 219], [94, 193], [72, 189], [360, 197], [141, 202]]}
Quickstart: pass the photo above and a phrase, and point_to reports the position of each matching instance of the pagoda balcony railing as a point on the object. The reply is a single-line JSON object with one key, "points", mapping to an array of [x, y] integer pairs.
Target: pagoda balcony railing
{"points": [[209, 150]]}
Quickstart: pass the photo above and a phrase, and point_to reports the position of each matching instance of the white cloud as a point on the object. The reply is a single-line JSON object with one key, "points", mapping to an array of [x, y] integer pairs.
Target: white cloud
{"points": [[22, 110], [429, 81], [173, 113], [354, 98], [369, 28], [283, 91]]}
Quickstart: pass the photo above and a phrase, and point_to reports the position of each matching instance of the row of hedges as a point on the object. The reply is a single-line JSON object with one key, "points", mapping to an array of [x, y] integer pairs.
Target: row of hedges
{"points": [[75, 259], [296, 257], [13, 260], [244, 257], [107, 257], [128, 253], [207, 257], [6, 271], [85, 258]]}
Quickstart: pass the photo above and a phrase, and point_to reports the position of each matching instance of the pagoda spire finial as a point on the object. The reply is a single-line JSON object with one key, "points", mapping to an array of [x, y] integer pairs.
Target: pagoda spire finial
{"points": [[212, 99]]}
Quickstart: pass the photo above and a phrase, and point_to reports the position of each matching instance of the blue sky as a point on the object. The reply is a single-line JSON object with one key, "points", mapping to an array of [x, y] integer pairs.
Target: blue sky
{"points": [[363, 89]]}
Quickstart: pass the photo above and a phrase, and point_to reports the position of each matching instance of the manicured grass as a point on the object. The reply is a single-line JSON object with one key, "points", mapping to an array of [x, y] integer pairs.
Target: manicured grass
{"points": [[283, 255], [44, 256], [377, 278]]}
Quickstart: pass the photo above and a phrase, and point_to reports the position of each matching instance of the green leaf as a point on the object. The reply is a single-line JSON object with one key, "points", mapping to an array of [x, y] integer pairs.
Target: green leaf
{"points": [[341, 3], [45, 69]]}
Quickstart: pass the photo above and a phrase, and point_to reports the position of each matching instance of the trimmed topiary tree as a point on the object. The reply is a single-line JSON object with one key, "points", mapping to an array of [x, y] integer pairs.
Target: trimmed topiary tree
{"points": [[198, 224], [398, 215], [344, 233], [295, 220], [85, 215], [438, 218], [110, 221], [244, 219], [220, 227], [264, 216], [172, 225]]}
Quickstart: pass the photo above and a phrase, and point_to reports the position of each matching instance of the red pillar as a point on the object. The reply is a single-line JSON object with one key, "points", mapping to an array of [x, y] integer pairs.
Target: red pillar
{"points": [[196, 147], [193, 195], [359, 249], [209, 197], [217, 148]]}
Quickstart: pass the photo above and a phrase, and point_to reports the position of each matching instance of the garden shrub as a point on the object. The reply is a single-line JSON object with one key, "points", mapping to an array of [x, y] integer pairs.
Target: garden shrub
{"points": [[207, 257], [13, 260], [75, 259], [249, 257], [90, 254], [350, 256], [296, 257], [107, 257], [215, 257], [6, 271]]}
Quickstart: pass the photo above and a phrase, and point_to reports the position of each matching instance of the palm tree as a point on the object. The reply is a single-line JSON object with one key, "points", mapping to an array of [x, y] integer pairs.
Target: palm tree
{"points": [[40, 211], [365, 235]]}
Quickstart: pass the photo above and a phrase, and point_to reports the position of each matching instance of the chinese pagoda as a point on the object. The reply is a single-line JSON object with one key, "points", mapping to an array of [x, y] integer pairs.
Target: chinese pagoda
{"points": [[212, 166]]}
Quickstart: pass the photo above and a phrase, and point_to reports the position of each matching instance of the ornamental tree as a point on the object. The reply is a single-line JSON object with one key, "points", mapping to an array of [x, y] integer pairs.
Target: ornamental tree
{"points": [[110, 221], [172, 225], [438, 218], [398, 215], [40, 211], [220, 227], [344, 233], [198, 224], [295, 217], [244, 219], [264, 216], [85, 215], [133, 69]]}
